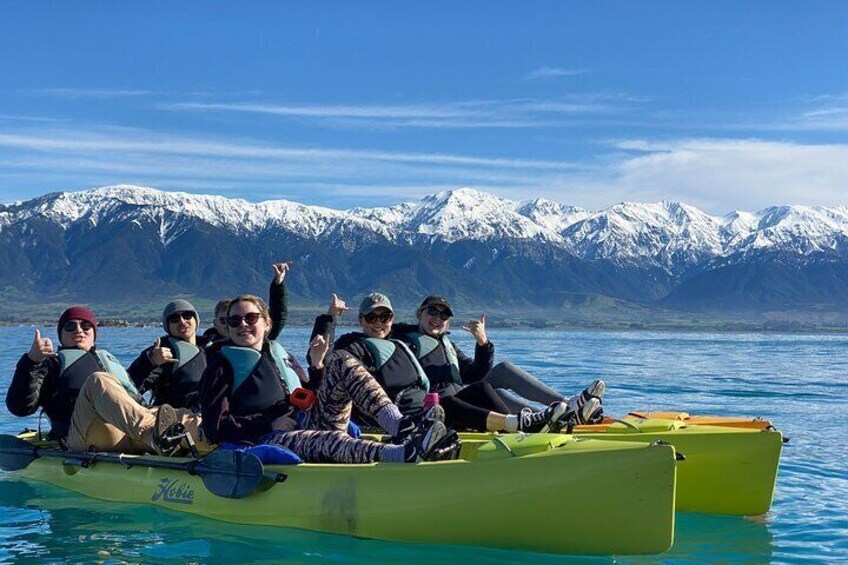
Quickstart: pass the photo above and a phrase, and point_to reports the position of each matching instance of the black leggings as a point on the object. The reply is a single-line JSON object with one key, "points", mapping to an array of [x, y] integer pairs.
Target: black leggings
{"points": [[469, 408]]}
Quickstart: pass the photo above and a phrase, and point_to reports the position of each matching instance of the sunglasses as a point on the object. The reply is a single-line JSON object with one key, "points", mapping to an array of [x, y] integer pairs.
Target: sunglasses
{"points": [[433, 311], [372, 317], [250, 319], [174, 318], [222, 319], [73, 325]]}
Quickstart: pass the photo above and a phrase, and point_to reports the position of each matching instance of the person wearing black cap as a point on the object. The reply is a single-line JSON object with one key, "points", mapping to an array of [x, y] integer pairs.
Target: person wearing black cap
{"points": [[85, 392], [503, 389]]}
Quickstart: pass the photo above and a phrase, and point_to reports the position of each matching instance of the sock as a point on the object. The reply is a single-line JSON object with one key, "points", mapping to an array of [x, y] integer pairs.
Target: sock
{"points": [[393, 454], [511, 423], [389, 418]]}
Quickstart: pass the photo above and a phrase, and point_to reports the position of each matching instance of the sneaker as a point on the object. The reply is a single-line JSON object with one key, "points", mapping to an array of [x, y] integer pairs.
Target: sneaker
{"points": [[447, 449], [595, 389], [422, 443], [541, 421], [589, 413], [409, 424]]}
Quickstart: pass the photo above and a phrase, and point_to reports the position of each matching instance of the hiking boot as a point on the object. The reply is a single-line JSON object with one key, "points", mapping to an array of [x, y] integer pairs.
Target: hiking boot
{"points": [[409, 424], [167, 431], [543, 420], [421, 445]]}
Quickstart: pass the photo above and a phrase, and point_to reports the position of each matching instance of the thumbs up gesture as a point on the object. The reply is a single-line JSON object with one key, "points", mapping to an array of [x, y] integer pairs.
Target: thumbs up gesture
{"points": [[477, 328], [161, 355], [41, 348]]}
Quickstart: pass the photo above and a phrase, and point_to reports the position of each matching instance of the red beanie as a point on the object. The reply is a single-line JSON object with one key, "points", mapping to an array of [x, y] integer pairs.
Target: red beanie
{"points": [[76, 313]]}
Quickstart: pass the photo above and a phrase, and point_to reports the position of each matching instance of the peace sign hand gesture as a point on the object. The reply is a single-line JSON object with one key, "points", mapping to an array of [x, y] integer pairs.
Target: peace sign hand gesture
{"points": [[280, 271]]}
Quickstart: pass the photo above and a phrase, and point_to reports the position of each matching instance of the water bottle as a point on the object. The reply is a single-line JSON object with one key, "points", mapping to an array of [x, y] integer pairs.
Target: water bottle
{"points": [[430, 399]]}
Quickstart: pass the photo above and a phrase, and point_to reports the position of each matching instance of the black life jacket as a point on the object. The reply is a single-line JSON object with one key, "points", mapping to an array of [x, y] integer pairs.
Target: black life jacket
{"points": [[395, 366], [438, 358], [75, 366], [179, 383], [260, 379]]}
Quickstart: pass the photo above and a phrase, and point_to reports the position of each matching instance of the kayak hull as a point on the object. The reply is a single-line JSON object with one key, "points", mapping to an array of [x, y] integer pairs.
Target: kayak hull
{"points": [[538, 500], [727, 470]]}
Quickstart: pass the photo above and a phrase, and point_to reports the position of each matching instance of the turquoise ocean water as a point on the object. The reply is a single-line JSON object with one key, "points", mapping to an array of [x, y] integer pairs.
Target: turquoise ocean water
{"points": [[800, 382]]}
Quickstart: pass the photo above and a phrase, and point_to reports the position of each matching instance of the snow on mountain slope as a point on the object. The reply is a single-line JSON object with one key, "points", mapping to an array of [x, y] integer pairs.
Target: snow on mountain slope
{"points": [[670, 235]]}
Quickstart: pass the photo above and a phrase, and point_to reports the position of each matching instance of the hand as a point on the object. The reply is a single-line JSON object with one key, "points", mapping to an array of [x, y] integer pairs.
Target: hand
{"points": [[477, 328], [337, 306], [280, 270], [160, 355], [318, 348], [41, 349]]}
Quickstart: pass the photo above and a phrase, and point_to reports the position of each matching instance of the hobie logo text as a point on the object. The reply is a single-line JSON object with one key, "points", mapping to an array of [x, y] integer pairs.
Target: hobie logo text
{"points": [[173, 490]]}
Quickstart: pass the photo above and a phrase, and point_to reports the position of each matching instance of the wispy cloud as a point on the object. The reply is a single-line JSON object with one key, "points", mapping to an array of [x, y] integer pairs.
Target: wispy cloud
{"points": [[552, 72], [472, 114], [98, 93]]}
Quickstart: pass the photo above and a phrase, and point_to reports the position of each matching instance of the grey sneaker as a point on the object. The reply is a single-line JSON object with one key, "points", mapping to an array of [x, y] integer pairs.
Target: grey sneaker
{"points": [[409, 424], [422, 443], [543, 420]]}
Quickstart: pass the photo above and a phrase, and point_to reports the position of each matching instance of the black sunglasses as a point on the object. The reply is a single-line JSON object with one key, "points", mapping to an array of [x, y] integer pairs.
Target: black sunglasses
{"points": [[72, 326], [222, 319], [372, 317], [250, 319], [174, 318], [433, 311]]}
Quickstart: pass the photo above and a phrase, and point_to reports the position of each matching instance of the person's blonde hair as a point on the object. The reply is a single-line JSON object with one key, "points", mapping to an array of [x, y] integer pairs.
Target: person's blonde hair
{"points": [[256, 301]]}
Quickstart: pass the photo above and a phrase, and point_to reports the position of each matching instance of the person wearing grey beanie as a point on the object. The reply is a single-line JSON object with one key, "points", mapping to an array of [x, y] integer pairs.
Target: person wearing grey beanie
{"points": [[171, 368]]}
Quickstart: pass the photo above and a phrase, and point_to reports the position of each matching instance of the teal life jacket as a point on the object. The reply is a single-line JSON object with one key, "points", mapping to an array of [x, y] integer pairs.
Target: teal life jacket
{"points": [[244, 360], [396, 367], [438, 359], [76, 366]]}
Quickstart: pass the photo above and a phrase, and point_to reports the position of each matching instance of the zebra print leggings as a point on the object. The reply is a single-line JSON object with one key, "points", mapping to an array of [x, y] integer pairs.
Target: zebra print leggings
{"points": [[346, 382]]}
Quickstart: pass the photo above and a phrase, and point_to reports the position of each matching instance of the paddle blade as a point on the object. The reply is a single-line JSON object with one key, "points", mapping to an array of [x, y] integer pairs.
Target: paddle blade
{"points": [[15, 453], [230, 474]]}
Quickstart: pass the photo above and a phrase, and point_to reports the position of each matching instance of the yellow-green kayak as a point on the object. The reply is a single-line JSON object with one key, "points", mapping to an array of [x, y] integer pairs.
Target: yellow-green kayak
{"points": [[534, 493], [727, 470]]}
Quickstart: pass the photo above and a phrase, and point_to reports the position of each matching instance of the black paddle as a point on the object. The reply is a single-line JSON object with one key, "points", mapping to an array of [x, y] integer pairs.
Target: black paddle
{"points": [[230, 474]]}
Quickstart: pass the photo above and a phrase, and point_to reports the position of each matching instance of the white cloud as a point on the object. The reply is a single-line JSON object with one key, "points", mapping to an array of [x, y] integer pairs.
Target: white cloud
{"points": [[507, 114], [99, 93], [720, 175], [552, 72]]}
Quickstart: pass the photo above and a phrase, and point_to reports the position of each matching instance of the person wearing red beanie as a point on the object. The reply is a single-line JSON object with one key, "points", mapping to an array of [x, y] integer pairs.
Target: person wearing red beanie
{"points": [[86, 393]]}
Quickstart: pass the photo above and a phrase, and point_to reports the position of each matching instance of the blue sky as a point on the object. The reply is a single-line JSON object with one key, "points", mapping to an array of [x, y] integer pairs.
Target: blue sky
{"points": [[722, 104]]}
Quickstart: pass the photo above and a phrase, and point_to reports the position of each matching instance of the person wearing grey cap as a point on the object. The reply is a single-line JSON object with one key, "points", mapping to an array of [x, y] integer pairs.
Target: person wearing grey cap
{"points": [[171, 368], [389, 360]]}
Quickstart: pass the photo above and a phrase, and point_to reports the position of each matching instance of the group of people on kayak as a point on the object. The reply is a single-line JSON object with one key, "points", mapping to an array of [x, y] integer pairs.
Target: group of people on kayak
{"points": [[237, 385]]}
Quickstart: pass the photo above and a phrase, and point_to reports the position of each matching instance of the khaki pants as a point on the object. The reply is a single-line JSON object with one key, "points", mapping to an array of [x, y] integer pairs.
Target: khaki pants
{"points": [[106, 418]]}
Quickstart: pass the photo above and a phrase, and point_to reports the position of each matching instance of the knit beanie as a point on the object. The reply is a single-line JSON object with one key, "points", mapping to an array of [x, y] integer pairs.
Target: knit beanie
{"points": [[76, 313], [175, 307]]}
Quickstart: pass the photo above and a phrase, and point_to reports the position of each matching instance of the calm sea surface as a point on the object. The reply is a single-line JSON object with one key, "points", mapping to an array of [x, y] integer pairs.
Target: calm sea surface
{"points": [[800, 382]]}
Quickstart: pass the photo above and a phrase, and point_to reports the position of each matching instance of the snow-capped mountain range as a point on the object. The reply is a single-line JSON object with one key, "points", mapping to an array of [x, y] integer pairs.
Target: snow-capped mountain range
{"points": [[434, 242]]}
